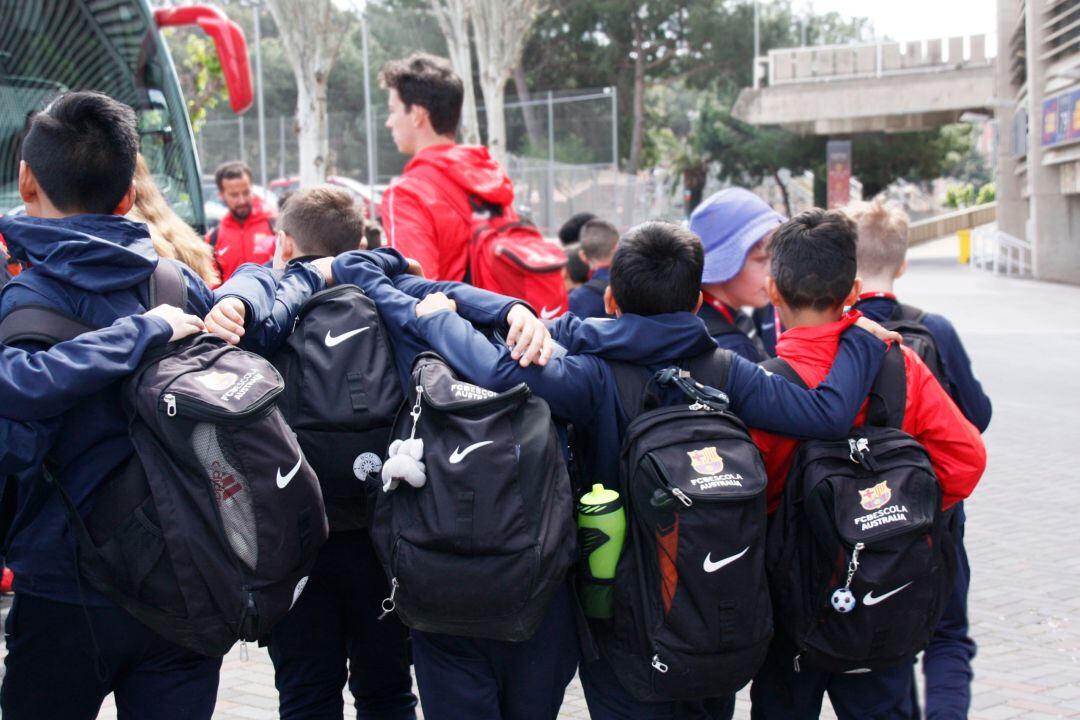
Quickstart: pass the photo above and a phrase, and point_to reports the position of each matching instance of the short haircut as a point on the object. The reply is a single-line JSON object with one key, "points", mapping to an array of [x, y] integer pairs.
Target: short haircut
{"points": [[813, 259], [570, 232], [657, 269], [431, 83], [82, 150], [598, 239], [883, 236], [323, 220], [576, 268], [231, 170]]}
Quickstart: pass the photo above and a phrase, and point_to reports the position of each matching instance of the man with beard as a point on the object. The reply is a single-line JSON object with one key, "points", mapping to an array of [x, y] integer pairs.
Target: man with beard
{"points": [[246, 234]]}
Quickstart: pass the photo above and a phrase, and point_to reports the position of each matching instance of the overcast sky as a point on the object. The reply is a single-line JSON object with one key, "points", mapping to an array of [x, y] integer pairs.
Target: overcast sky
{"points": [[917, 19]]}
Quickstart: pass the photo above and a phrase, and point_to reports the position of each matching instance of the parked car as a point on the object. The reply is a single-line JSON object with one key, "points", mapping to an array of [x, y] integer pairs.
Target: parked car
{"points": [[360, 191]]}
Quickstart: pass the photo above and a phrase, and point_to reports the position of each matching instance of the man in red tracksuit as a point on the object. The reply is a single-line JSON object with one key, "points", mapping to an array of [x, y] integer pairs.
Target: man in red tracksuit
{"points": [[813, 279], [426, 213], [246, 234]]}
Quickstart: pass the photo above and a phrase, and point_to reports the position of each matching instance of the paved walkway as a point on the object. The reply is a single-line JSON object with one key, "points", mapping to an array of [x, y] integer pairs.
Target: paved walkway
{"points": [[1023, 536]]}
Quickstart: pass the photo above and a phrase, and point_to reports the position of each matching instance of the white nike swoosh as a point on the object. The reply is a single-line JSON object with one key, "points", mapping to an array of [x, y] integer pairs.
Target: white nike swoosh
{"points": [[458, 455], [283, 480], [331, 341], [711, 566], [869, 598], [546, 314]]}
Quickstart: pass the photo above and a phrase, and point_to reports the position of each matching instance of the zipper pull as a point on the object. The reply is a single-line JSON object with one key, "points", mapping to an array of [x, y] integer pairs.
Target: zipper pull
{"points": [[170, 404], [796, 663], [415, 412], [683, 497], [243, 651], [388, 604], [658, 665]]}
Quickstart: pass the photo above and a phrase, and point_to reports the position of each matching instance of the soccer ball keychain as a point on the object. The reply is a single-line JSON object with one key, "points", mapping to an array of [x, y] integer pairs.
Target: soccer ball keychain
{"points": [[843, 600]]}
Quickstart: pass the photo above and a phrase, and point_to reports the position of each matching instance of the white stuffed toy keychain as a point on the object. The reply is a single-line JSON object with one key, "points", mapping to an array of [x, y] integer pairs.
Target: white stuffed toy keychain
{"points": [[405, 461]]}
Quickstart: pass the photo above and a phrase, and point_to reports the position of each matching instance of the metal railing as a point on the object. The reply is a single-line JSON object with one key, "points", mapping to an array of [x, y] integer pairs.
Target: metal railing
{"points": [[823, 63], [1000, 252], [938, 226]]}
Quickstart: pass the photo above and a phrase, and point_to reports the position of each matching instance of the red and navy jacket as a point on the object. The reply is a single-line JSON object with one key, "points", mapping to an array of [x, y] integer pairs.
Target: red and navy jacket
{"points": [[578, 383], [964, 387], [955, 447]]}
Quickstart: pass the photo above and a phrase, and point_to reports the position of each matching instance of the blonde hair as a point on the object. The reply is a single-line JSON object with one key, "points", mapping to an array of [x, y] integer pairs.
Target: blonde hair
{"points": [[172, 237], [882, 236]]}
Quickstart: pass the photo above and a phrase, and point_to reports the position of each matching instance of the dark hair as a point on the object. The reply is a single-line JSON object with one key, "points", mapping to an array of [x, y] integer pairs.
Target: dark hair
{"points": [[429, 82], [82, 150], [576, 268], [571, 229], [813, 259], [598, 239], [231, 170], [657, 269], [323, 220]]}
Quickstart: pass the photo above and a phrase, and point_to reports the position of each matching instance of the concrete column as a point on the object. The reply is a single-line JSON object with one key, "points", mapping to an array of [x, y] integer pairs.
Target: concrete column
{"points": [[1056, 254], [1011, 207]]}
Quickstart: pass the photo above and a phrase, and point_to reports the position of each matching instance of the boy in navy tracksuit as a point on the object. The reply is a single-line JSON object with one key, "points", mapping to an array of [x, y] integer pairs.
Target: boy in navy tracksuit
{"points": [[39, 385], [68, 646], [882, 247], [598, 241], [734, 226], [655, 278]]}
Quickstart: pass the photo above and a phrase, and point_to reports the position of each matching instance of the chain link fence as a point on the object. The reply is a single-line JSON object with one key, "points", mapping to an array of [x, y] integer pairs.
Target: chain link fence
{"points": [[561, 154]]}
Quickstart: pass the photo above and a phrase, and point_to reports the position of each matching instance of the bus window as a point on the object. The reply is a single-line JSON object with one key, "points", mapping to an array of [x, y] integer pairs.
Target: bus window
{"points": [[112, 46]]}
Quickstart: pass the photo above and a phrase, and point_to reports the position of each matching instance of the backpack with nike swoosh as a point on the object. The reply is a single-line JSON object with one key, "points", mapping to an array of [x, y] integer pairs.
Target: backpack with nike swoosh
{"points": [[342, 393], [207, 533], [480, 549], [860, 559], [692, 618]]}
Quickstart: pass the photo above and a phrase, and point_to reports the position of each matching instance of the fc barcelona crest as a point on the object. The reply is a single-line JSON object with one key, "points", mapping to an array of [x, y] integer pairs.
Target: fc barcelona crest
{"points": [[875, 497], [706, 461]]}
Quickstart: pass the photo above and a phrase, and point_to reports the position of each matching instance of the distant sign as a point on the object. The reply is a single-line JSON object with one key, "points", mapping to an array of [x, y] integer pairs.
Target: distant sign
{"points": [[838, 159], [1061, 119]]}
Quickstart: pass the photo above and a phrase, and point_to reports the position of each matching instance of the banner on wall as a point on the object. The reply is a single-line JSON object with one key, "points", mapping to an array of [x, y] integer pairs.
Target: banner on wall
{"points": [[838, 161]]}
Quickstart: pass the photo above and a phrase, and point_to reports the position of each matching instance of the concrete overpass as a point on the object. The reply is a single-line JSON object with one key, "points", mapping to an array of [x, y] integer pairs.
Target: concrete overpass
{"points": [[885, 86]]}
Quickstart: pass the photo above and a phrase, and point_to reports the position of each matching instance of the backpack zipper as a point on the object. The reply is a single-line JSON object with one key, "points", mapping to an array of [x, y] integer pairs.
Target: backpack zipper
{"points": [[198, 410]]}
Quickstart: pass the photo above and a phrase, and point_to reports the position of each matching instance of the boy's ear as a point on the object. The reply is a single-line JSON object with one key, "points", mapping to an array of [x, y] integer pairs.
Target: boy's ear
{"points": [[126, 202], [610, 306], [901, 270], [287, 246], [774, 293], [28, 184], [700, 300], [420, 116], [856, 291], [581, 255]]}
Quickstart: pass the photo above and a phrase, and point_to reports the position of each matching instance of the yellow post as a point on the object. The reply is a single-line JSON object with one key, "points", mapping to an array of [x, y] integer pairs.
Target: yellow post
{"points": [[964, 236]]}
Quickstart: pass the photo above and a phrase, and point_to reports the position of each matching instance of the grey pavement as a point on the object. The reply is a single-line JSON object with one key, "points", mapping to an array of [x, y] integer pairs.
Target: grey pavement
{"points": [[1023, 537]]}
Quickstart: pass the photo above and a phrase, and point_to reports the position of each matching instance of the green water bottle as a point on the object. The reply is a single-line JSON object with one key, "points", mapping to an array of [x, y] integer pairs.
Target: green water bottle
{"points": [[601, 530]]}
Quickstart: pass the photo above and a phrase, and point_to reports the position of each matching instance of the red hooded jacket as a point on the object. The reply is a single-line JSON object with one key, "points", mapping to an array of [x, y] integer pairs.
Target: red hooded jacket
{"points": [[955, 447], [243, 241], [426, 213]]}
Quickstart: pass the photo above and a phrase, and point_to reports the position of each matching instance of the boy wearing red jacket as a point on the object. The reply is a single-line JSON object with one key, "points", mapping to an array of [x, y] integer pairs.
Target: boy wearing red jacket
{"points": [[813, 279]]}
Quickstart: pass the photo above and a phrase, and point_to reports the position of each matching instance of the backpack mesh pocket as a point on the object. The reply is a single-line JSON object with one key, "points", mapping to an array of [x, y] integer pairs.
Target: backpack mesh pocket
{"points": [[232, 491]]}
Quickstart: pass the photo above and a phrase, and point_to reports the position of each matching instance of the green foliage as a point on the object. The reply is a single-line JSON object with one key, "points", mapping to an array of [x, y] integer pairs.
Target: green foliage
{"points": [[201, 77], [987, 194], [960, 196]]}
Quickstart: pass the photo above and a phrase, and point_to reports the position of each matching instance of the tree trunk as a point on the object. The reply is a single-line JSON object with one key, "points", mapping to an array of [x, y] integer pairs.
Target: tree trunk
{"points": [[453, 19], [637, 133], [694, 183], [783, 192], [494, 89], [532, 126], [311, 128]]}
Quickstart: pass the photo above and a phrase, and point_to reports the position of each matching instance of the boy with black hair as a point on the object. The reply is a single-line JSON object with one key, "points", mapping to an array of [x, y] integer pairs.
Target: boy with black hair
{"points": [[813, 279], [86, 260], [881, 252], [598, 241], [654, 293]]}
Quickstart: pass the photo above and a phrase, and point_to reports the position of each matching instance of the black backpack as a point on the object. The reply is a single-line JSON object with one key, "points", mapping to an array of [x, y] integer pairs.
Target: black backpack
{"points": [[861, 559], [691, 617], [481, 548], [908, 321], [342, 393], [207, 533]]}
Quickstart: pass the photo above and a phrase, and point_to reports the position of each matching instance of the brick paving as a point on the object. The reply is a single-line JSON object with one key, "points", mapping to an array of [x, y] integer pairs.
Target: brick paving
{"points": [[1022, 533]]}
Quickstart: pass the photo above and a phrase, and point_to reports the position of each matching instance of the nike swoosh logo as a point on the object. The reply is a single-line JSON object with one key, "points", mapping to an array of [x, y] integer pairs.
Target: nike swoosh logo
{"points": [[458, 455], [331, 340], [546, 314], [283, 480], [711, 566], [869, 598]]}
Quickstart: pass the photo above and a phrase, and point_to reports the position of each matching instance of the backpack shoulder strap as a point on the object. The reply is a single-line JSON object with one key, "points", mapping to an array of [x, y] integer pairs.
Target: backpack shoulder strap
{"points": [[782, 367], [911, 313], [711, 368], [888, 394], [40, 324], [630, 384], [633, 382], [213, 237], [167, 284]]}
